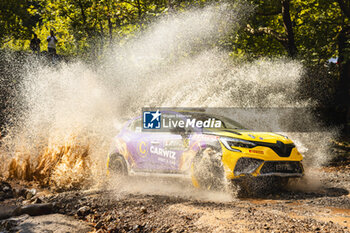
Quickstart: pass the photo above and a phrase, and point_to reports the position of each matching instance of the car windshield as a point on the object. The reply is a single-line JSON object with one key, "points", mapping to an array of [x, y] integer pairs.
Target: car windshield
{"points": [[226, 123]]}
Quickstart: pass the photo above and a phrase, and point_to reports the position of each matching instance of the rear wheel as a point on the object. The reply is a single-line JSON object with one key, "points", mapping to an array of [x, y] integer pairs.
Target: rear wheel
{"points": [[117, 165], [208, 169]]}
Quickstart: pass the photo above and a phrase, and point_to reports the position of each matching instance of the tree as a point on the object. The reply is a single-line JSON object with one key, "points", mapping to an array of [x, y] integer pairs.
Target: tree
{"points": [[307, 28], [15, 20], [343, 95], [84, 25]]}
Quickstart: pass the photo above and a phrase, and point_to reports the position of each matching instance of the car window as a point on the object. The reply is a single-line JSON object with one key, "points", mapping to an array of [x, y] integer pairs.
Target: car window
{"points": [[229, 123], [136, 125], [226, 122]]}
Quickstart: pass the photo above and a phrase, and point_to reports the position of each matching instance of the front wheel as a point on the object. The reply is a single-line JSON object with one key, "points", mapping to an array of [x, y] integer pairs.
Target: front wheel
{"points": [[208, 169]]}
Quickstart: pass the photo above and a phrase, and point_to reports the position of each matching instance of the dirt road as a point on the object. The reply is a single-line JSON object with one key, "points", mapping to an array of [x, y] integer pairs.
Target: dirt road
{"points": [[320, 204]]}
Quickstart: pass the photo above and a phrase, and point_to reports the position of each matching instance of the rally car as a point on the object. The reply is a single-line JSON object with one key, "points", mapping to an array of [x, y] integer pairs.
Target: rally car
{"points": [[211, 157]]}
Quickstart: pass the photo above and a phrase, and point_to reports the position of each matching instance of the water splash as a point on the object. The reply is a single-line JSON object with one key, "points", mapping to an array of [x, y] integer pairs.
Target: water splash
{"points": [[68, 112]]}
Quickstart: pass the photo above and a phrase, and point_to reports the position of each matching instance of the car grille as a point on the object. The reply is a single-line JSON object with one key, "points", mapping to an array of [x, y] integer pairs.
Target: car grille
{"points": [[246, 165], [281, 167], [283, 150]]}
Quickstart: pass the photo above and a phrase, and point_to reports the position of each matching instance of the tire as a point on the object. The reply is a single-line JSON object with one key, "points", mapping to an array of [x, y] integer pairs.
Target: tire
{"points": [[259, 186], [242, 187], [281, 183], [272, 185], [117, 165], [208, 169]]}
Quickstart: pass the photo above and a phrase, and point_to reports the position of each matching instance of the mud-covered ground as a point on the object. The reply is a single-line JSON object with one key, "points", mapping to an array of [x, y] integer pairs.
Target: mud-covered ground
{"points": [[320, 203]]}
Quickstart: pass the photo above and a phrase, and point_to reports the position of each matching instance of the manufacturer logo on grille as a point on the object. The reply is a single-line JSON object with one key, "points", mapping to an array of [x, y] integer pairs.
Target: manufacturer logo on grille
{"points": [[282, 146]]}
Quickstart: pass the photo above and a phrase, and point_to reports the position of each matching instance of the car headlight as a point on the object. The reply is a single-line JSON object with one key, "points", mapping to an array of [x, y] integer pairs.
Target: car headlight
{"points": [[247, 165], [229, 143]]}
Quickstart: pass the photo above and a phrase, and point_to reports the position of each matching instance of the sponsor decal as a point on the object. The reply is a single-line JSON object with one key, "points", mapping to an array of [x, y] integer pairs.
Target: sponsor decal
{"points": [[152, 119], [174, 144], [256, 151], [163, 152], [205, 137], [142, 149], [209, 123], [166, 121]]}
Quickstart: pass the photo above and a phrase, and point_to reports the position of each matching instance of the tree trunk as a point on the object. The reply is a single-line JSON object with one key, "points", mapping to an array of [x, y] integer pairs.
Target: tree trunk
{"points": [[102, 38], [288, 26], [139, 12], [110, 28], [82, 12]]}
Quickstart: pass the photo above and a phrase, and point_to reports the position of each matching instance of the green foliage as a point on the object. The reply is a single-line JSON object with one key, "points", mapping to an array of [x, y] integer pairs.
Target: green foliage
{"points": [[316, 25], [15, 21], [89, 27], [81, 26]]}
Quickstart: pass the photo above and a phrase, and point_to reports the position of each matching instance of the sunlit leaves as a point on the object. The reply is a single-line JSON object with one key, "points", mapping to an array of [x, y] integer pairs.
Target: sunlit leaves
{"points": [[316, 24], [90, 26]]}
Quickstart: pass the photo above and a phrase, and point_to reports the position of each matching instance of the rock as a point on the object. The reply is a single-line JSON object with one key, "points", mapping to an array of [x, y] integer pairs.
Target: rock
{"points": [[111, 227], [90, 218], [5, 191], [2, 196], [83, 211], [99, 224], [11, 223], [6, 211], [34, 209], [51, 223], [108, 218], [19, 192], [143, 210], [36, 200], [26, 202], [8, 224], [30, 193], [33, 191]]}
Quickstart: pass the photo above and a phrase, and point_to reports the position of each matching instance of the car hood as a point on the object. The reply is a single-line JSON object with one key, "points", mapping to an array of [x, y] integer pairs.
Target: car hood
{"points": [[249, 135]]}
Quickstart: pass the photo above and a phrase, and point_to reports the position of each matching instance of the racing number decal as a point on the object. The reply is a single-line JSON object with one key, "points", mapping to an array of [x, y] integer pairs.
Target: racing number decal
{"points": [[142, 149]]}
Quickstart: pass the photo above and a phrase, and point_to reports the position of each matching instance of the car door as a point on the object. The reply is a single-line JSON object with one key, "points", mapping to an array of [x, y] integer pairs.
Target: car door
{"points": [[138, 144], [165, 151], [168, 148]]}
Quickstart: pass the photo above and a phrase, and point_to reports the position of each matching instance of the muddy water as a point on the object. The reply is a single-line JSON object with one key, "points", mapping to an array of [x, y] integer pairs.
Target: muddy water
{"points": [[71, 112]]}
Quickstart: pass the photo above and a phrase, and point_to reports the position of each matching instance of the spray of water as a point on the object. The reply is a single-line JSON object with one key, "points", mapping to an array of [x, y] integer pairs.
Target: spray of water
{"points": [[72, 112]]}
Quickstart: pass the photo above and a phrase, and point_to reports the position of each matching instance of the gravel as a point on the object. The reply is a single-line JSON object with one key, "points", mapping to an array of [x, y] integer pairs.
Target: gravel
{"points": [[304, 207]]}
